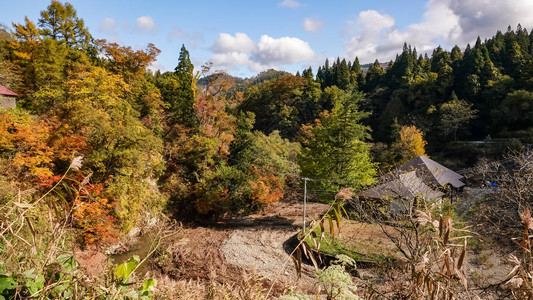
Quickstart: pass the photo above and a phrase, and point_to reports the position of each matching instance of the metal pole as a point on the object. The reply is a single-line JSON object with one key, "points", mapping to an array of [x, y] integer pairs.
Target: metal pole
{"points": [[305, 200]]}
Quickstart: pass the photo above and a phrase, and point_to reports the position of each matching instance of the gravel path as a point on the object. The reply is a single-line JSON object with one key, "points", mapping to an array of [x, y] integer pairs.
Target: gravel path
{"points": [[263, 248]]}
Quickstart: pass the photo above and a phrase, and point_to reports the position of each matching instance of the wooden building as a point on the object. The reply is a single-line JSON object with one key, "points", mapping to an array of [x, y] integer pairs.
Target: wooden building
{"points": [[8, 99]]}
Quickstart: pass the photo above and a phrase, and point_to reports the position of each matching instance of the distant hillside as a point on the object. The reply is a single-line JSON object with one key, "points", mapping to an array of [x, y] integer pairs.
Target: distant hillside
{"points": [[265, 76], [365, 67], [241, 84]]}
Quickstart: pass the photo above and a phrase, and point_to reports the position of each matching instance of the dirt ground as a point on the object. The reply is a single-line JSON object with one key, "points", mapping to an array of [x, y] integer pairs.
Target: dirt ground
{"points": [[232, 250], [260, 242], [229, 253], [92, 260]]}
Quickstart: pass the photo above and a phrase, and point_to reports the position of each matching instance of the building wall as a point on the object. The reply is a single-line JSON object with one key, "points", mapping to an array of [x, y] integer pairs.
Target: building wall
{"points": [[8, 102]]}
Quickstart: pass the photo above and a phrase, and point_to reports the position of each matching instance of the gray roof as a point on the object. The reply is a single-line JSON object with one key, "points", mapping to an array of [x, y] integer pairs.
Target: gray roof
{"points": [[431, 172], [405, 185]]}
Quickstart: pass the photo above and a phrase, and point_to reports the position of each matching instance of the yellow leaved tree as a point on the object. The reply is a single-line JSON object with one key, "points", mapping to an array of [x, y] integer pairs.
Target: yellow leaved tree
{"points": [[411, 144]]}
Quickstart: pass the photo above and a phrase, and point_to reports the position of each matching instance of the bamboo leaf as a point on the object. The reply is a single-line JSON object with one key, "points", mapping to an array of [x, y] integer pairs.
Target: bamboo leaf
{"points": [[310, 254], [440, 225], [314, 236], [299, 258], [61, 197], [68, 189], [296, 266], [22, 205], [434, 292], [331, 228], [447, 264], [337, 219], [303, 246], [32, 230], [344, 210], [461, 257], [322, 229], [446, 236]]}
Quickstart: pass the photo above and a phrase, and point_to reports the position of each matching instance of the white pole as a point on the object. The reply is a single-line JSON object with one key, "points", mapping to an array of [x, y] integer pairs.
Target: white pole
{"points": [[305, 200]]}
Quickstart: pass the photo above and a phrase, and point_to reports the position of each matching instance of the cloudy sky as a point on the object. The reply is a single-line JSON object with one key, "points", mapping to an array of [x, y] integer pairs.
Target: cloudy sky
{"points": [[246, 37]]}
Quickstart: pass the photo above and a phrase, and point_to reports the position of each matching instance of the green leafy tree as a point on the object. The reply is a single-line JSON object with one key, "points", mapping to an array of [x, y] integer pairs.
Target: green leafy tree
{"points": [[124, 154], [8, 76], [343, 75], [515, 113], [357, 75], [283, 104], [454, 115], [336, 152], [25, 50]]}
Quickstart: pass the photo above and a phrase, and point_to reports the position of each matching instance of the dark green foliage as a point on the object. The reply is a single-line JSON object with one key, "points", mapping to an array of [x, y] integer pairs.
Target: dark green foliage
{"points": [[423, 90], [515, 113], [374, 76], [342, 74], [182, 101], [284, 104]]}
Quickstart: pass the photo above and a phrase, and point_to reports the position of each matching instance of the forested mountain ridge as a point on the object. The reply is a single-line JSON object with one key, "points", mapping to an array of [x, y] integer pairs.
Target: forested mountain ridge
{"points": [[481, 92]]}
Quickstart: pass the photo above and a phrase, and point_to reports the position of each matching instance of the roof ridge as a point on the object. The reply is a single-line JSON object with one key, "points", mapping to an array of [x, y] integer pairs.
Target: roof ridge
{"points": [[6, 91]]}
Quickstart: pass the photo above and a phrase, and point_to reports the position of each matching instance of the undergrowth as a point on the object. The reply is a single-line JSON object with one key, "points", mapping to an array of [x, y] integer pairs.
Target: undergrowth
{"points": [[36, 259]]}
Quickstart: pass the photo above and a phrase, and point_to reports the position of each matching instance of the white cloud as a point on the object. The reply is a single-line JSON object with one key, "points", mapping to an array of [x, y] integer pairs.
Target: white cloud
{"points": [[107, 26], [373, 27], [372, 20], [312, 25], [230, 52], [192, 39], [177, 32], [145, 24], [290, 3], [156, 65], [285, 50], [444, 22], [239, 43], [483, 18], [231, 58]]}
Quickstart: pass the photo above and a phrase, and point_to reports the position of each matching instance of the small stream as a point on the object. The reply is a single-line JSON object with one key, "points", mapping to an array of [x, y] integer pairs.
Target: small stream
{"points": [[141, 246]]}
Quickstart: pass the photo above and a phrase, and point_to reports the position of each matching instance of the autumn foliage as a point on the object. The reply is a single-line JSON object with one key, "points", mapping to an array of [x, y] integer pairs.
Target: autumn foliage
{"points": [[411, 143], [37, 145], [93, 215]]}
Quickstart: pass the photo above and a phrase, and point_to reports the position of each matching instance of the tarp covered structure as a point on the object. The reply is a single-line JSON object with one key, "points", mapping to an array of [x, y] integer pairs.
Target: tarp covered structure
{"points": [[431, 172], [406, 185], [419, 178]]}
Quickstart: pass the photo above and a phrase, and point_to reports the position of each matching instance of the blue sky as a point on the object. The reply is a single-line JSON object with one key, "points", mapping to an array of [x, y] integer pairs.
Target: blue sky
{"points": [[245, 37]]}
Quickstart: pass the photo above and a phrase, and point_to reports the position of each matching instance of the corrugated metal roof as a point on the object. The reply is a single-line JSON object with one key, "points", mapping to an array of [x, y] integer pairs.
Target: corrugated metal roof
{"points": [[6, 91]]}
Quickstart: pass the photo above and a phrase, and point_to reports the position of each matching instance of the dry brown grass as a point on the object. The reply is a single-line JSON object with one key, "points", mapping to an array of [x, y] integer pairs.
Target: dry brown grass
{"points": [[242, 285], [192, 262]]}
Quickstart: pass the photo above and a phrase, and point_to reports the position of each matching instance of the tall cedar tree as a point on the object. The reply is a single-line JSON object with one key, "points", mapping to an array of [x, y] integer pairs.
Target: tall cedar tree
{"points": [[184, 107]]}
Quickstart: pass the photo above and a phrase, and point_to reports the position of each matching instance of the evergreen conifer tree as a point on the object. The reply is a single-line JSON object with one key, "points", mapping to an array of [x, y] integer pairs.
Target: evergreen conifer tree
{"points": [[184, 106]]}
